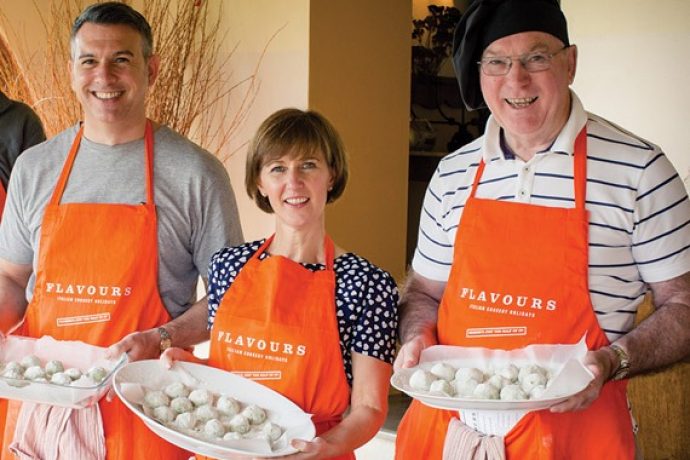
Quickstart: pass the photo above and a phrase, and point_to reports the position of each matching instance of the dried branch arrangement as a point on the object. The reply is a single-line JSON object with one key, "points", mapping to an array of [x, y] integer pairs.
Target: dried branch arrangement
{"points": [[10, 76], [194, 94]]}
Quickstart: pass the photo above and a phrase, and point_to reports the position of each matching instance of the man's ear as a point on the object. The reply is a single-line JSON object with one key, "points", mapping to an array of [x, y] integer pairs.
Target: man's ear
{"points": [[153, 66], [572, 62]]}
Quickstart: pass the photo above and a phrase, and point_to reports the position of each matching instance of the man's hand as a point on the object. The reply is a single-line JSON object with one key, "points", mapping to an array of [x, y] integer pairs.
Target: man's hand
{"points": [[418, 315], [410, 351], [601, 363], [137, 345]]}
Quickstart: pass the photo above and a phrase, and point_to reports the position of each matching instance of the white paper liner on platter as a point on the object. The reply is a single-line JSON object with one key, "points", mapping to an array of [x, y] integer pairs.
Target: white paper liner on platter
{"points": [[80, 394], [568, 377], [133, 381]]}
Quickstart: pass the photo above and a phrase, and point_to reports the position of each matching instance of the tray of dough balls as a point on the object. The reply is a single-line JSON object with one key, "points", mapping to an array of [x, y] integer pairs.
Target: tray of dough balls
{"points": [[210, 411], [56, 372], [531, 378]]}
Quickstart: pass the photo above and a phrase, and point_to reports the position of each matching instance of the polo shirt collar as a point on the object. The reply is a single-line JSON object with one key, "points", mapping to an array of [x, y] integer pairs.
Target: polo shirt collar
{"points": [[495, 148]]}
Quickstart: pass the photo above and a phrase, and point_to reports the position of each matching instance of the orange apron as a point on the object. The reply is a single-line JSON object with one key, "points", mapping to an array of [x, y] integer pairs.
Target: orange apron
{"points": [[520, 277], [277, 325], [97, 281]]}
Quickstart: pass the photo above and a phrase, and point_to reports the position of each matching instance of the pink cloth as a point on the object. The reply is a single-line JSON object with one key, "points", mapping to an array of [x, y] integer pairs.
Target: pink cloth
{"points": [[464, 443], [57, 433]]}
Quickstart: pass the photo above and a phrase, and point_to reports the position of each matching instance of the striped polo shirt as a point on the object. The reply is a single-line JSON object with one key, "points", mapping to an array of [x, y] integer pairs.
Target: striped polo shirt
{"points": [[639, 228]]}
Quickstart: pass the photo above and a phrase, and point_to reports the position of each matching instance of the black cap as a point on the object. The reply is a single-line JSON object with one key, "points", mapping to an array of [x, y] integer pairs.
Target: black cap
{"points": [[484, 22]]}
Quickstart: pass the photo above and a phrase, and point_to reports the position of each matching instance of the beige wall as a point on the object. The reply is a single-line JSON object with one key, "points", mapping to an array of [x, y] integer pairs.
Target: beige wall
{"points": [[633, 67], [283, 77], [359, 78]]}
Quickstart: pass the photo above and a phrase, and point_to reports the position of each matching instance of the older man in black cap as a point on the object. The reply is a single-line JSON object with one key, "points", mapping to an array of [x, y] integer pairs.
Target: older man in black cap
{"points": [[549, 228]]}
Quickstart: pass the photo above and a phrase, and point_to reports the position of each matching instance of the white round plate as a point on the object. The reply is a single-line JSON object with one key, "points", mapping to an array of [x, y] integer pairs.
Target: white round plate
{"points": [[280, 410], [400, 380]]}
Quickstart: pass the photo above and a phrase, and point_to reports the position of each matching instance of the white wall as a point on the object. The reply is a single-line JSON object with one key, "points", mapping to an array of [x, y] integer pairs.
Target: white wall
{"points": [[634, 67]]}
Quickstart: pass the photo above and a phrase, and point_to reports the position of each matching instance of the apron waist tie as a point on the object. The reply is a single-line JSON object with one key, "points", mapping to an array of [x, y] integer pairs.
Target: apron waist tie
{"points": [[464, 443]]}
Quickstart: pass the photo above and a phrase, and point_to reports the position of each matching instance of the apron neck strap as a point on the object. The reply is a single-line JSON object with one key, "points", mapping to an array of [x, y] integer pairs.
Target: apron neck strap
{"points": [[328, 249], [69, 162], [477, 176], [580, 170]]}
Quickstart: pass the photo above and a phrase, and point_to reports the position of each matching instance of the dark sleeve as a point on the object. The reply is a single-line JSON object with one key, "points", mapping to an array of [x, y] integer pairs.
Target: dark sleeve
{"points": [[20, 128], [33, 130], [374, 295]]}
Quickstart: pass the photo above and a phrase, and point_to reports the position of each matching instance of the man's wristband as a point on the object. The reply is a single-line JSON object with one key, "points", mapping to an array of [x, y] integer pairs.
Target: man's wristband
{"points": [[621, 372], [166, 340]]}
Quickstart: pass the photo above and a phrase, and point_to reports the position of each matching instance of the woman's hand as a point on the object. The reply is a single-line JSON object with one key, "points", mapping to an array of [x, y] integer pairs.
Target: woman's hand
{"points": [[315, 449], [169, 356]]}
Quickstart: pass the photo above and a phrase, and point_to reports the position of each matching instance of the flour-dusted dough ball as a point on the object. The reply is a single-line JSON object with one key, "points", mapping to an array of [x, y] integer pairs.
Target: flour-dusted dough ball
{"points": [[254, 414], [30, 361], [421, 380], [513, 392], [186, 420], [442, 387], [232, 436], [214, 428], [532, 380], [54, 366], [272, 431], [239, 424], [181, 404], [530, 369], [97, 374], [13, 366], [205, 413], [509, 372], [443, 371], [14, 373], [155, 399], [164, 414], [467, 373], [176, 389], [465, 388], [60, 378], [34, 372], [537, 392], [228, 406], [201, 397], [498, 381], [485, 391], [74, 373]]}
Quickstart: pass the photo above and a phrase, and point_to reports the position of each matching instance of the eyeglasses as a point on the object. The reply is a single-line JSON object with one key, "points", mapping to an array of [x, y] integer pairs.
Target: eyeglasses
{"points": [[538, 61]]}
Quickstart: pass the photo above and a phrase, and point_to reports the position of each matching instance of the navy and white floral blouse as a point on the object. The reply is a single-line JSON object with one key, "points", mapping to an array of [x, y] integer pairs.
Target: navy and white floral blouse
{"points": [[366, 300]]}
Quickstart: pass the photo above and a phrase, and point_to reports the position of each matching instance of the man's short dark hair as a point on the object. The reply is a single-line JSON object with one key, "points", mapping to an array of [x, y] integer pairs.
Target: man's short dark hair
{"points": [[115, 13]]}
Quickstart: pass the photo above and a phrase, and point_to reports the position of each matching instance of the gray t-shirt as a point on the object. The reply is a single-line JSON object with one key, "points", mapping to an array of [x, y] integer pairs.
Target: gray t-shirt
{"points": [[195, 204]]}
